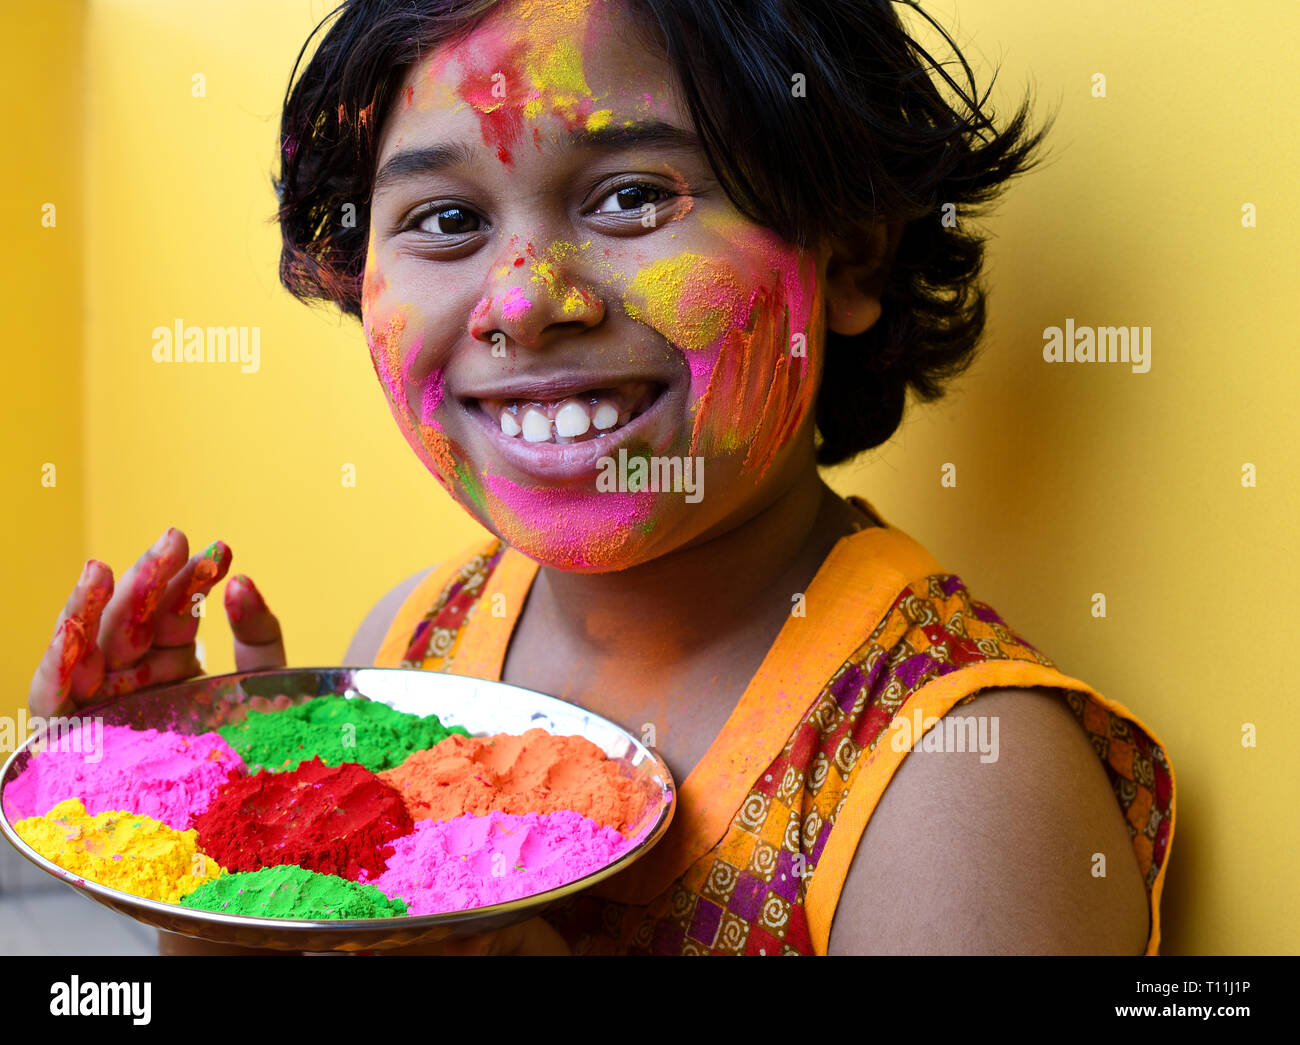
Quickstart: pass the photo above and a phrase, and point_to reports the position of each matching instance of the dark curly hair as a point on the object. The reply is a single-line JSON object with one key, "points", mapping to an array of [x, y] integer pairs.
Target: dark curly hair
{"points": [[873, 124]]}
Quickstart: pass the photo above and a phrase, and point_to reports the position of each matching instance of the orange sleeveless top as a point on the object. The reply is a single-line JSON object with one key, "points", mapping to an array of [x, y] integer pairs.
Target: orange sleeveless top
{"points": [[768, 822]]}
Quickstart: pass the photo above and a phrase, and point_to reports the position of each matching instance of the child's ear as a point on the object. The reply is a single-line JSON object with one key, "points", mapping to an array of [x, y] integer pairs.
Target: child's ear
{"points": [[856, 271]]}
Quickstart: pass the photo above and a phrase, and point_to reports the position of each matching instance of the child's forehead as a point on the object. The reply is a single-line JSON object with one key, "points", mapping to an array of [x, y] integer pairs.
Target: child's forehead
{"points": [[581, 62]]}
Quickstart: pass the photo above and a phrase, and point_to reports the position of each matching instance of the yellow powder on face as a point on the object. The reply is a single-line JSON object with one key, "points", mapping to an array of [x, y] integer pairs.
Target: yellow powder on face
{"points": [[125, 851], [686, 299]]}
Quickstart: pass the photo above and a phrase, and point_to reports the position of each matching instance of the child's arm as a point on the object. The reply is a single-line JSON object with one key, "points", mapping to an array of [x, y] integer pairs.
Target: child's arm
{"points": [[967, 857]]}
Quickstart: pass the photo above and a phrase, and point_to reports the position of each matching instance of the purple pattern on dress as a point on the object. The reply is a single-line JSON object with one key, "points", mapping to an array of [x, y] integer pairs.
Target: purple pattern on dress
{"points": [[785, 883], [847, 687], [910, 671], [822, 836], [746, 899], [986, 613], [950, 585], [704, 926]]}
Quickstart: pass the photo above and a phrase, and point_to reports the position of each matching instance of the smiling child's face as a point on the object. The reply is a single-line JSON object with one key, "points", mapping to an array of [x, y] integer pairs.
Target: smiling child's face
{"points": [[553, 274]]}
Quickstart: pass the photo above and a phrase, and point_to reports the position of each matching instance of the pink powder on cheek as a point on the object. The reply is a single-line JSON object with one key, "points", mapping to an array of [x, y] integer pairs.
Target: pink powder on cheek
{"points": [[734, 314], [431, 399]]}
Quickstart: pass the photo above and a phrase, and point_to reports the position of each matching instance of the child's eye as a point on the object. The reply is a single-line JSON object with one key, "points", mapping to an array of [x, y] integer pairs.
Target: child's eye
{"points": [[454, 221], [634, 196]]}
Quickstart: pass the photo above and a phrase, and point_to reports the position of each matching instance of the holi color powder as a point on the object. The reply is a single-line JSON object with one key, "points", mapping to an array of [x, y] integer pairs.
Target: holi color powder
{"points": [[533, 773], [335, 820], [336, 730], [580, 529], [288, 891], [157, 773], [125, 851], [476, 861]]}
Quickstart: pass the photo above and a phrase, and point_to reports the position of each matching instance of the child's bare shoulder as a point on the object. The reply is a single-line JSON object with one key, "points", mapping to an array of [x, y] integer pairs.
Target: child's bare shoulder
{"points": [[964, 855]]}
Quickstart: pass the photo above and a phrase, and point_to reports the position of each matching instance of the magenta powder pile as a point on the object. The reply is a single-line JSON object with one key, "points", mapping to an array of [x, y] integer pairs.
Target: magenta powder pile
{"points": [[155, 773], [476, 861]]}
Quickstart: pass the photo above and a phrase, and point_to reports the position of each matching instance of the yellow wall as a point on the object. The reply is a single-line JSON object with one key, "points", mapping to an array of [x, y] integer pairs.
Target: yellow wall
{"points": [[1071, 480], [42, 423]]}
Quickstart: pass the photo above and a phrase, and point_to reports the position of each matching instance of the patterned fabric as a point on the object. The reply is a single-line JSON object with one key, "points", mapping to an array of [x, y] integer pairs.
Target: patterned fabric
{"points": [[433, 641], [746, 895]]}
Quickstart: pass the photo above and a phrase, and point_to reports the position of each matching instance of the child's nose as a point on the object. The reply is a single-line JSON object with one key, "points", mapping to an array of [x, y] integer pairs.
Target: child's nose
{"points": [[526, 302]]}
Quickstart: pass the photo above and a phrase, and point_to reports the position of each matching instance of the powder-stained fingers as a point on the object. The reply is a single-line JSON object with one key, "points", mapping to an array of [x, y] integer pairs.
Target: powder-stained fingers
{"points": [[73, 664], [258, 641], [127, 629], [177, 619], [156, 667]]}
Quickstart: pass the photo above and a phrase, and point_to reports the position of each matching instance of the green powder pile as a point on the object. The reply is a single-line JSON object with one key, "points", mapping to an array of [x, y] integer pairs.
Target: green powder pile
{"points": [[335, 729], [288, 891]]}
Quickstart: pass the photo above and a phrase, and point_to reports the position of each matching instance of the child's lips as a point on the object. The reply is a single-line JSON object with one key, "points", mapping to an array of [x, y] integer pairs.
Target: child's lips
{"points": [[648, 413]]}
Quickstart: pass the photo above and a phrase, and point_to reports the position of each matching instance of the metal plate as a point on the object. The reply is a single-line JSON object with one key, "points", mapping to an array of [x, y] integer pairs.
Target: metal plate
{"points": [[480, 707]]}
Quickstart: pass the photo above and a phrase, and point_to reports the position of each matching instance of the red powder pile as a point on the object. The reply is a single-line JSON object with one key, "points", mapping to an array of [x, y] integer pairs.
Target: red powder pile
{"points": [[534, 773], [331, 819]]}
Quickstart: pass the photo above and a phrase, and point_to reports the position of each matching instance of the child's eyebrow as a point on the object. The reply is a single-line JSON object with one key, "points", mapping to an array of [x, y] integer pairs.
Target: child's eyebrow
{"points": [[414, 163]]}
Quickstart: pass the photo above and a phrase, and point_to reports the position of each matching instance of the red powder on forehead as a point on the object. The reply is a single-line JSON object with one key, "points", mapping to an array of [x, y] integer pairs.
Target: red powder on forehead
{"points": [[498, 96], [335, 820]]}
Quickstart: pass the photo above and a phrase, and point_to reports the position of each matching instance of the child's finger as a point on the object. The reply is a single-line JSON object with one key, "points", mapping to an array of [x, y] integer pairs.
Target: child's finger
{"points": [[258, 641], [176, 622], [60, 669], [157, 666], [126, 632]]}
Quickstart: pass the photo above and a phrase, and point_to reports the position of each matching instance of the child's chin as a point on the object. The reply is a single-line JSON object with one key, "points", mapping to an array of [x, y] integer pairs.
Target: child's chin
{"points": [[590, 552]]}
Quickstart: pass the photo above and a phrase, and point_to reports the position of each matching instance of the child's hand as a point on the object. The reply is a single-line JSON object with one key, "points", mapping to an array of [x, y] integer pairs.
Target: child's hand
{"points": [[113, 639]]}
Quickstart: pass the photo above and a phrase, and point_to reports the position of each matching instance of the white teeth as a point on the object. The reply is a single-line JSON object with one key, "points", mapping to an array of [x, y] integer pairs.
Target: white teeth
{"points": [[536, 427], [509, 425], [571, 419], [605, 417]]}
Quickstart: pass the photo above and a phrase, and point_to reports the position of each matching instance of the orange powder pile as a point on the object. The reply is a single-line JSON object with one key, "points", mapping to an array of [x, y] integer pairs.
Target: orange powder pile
{"points": [[533, 773]]}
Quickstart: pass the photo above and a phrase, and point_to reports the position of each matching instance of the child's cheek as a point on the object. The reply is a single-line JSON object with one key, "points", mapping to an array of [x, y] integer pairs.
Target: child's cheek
{"points": [[393, 351], [746, 320]]}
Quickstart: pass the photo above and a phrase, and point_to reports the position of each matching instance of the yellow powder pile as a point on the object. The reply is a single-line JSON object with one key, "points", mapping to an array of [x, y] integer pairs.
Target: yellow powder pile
{"points": [[125, 851]]}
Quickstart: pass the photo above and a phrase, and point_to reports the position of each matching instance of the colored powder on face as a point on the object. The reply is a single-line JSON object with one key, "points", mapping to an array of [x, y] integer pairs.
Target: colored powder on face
{"points": [[333, 820], [125, 851], [515, 304], [336, 730], [534, 773], [476, 861], [431, 399], [568, 527], [157, 773], [292, 892]]}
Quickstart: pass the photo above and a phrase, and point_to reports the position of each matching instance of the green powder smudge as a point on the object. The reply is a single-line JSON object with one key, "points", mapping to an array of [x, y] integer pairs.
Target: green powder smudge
{"points": [[334, 729], [289, 891]]}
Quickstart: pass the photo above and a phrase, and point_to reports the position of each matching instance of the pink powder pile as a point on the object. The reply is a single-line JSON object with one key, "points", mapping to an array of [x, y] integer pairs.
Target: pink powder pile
{"points": [[476, 861], [155, 773]]}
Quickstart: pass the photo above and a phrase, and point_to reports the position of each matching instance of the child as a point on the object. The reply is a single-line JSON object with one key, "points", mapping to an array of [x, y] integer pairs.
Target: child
{"points": [[629, 272]]}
